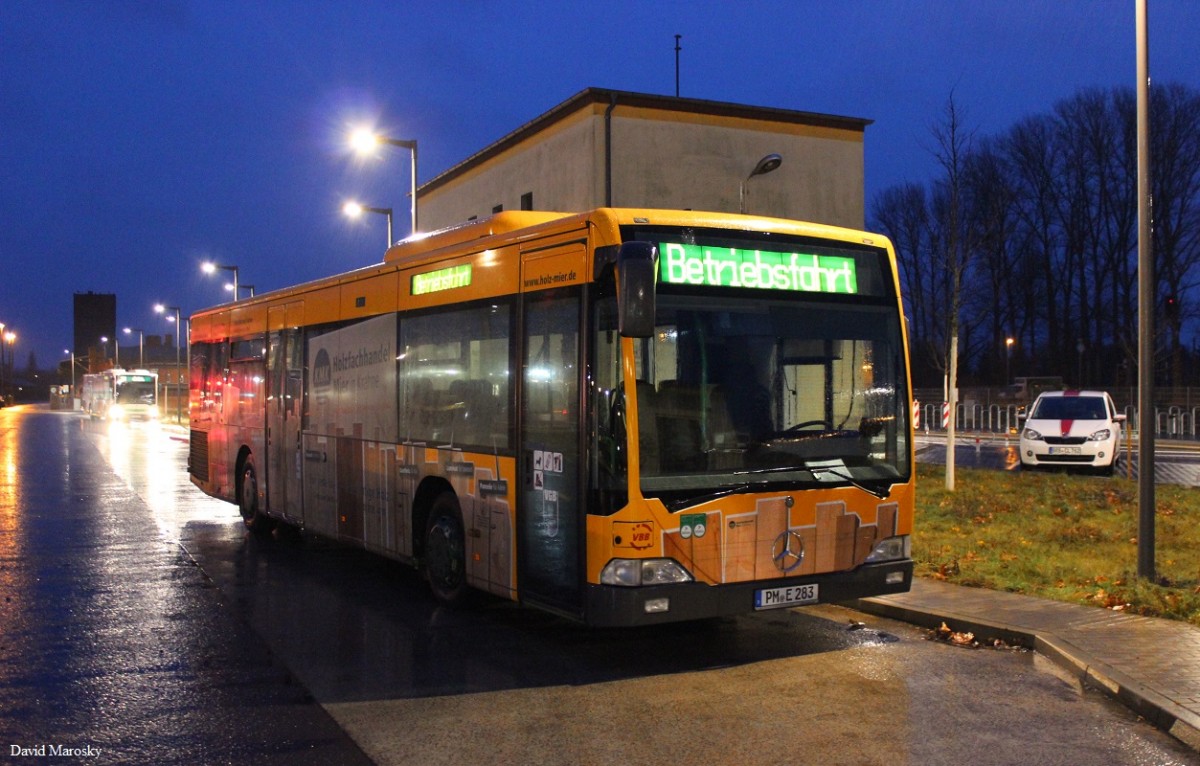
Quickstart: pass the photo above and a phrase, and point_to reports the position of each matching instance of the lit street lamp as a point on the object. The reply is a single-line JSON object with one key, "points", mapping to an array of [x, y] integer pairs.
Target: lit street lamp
{"points": [[72, 354], [141, 345], [765, 165], [364, 140], [163, 309], [9, 338], [354, 210], [211, 268], [230, 288], [1008, 344]]}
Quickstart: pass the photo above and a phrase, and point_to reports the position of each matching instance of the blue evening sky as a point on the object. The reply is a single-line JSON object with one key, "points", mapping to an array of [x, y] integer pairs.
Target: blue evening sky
{"points": [[139, 138]]}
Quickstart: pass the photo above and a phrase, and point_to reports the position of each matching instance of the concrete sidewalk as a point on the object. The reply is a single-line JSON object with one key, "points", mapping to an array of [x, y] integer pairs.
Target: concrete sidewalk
{"points": [[1151, 665]]}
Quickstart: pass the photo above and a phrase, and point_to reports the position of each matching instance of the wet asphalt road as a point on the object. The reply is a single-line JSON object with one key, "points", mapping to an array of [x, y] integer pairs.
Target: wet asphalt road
{"points": [[139, 618], [113, 643]]}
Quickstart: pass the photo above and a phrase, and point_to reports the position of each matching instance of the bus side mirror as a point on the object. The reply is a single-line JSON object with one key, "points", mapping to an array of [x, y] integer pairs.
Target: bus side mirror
{"points": [[637, 273]]}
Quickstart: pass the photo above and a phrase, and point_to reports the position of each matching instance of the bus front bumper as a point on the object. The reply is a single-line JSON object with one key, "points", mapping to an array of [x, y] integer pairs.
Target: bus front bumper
{"points": [[613, 606]]}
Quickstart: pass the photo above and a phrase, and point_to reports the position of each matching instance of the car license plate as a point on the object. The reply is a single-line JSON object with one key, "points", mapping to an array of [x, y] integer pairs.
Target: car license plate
{"points": [[777, 598], [1065, 451]]}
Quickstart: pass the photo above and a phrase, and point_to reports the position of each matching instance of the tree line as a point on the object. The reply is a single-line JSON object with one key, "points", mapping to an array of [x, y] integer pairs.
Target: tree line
{"points": [[1031, 235]]}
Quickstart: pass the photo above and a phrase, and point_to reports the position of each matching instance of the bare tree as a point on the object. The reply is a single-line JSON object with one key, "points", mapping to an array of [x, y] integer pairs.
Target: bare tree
{"points": [[1034, 235]]}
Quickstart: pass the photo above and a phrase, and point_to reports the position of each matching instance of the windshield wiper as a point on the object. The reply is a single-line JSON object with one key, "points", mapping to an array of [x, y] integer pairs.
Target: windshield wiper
{"points": [[819, 470]]}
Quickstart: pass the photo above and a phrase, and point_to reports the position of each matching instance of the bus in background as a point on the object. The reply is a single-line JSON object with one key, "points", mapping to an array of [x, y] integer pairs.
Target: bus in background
{"points": [[621, 416], [119, 394]]}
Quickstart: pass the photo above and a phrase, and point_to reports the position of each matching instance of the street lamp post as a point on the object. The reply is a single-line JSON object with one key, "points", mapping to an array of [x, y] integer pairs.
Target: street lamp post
{"points": [[141, 345], [72, 355], [364, 140], [162, 309], [764, 166], [1008, 344], [354, 210], [1080, 348], [2, 334], [211, 268], [229, 287], [9, 338]]}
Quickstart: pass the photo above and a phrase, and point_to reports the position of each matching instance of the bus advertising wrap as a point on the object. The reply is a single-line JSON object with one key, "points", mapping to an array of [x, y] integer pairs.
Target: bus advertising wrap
{"points": [[354, 378]]}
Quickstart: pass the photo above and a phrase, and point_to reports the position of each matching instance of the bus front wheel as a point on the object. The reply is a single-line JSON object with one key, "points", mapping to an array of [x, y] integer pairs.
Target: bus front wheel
{"points": [[247, 495], [445, 560]]}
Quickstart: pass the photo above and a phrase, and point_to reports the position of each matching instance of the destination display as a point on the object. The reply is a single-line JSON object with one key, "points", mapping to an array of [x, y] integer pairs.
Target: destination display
{"points": [[712, 266], [442, 279]]}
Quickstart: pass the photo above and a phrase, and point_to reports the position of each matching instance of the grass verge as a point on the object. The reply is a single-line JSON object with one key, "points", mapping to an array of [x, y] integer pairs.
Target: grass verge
{"points": [[1059, 536]]}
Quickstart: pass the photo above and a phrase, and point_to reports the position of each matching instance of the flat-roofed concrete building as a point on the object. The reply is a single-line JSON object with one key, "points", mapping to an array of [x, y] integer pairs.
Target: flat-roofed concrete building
{"points": [[620, 149]]}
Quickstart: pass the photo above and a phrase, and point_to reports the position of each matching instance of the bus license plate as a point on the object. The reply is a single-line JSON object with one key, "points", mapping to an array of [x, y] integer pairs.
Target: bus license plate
{"points": [[1065, 450], [793, 595]]}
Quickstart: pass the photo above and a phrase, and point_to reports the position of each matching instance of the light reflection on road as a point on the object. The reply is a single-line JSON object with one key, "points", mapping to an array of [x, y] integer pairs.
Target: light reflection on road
{"points": [[146, 458]]}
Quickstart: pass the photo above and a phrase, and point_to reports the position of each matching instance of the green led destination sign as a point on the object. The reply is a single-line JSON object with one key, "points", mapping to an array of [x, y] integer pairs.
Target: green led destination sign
{"points": [[442, 279], [704, 265]]}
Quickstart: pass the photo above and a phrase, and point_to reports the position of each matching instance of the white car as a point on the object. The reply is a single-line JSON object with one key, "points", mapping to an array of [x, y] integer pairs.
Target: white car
{"points": [[1072, 429]]}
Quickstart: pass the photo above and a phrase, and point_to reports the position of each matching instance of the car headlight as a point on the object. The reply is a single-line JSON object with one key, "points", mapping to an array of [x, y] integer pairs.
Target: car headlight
{"points": [[631, 573], [1031, 435], [1102, 435]]}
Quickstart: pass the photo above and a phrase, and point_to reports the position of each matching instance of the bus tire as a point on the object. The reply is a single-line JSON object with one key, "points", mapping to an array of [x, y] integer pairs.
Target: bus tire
{"points": [[445, 559], [247, 494]]}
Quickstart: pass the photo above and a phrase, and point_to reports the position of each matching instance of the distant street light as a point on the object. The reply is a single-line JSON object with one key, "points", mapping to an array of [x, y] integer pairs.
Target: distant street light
{"points": [[211, 268], [72, 354], [363, 140], [163, 309], [141, 345], [229, 287], [354, 210], [1008, 344], [9, 338], [765, 165]]}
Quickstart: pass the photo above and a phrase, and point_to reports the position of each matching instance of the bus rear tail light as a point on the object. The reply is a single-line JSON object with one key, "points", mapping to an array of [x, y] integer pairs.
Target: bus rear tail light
{"points": [[633, 573]]}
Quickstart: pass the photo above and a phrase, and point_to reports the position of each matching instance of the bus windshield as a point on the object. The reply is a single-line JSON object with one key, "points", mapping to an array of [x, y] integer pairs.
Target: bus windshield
{"points": [[742, 391], [135, 392]]}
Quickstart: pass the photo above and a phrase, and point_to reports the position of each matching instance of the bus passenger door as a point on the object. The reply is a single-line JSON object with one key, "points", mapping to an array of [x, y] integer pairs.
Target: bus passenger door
{"points": [[283, 412], [550, 515]]}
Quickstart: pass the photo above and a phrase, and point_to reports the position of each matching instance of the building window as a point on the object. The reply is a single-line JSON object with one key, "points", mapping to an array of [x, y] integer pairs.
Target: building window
{"points": [[497, 209], [527, 201]]}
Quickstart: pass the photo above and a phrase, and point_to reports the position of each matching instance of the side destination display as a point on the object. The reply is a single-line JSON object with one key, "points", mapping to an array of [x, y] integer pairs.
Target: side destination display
{"points": [[705, 265], [442, 279]]}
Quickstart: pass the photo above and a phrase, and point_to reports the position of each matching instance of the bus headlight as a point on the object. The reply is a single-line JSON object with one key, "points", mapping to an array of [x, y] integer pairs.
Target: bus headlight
{"points": [[153, 410], [116, 412], [890, 549], [632, 573]]}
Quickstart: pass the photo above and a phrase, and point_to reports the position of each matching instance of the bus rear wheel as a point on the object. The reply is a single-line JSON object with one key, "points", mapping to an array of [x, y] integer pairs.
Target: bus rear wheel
{"points": [[445, 560]]}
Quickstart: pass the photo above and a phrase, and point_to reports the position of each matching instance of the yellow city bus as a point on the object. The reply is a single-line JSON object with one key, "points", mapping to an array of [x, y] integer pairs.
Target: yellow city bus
{"points": [[622, 416]]}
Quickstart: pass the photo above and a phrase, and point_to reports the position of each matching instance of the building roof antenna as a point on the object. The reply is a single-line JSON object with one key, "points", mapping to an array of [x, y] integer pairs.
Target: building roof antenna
{"points": [[677, 49]]}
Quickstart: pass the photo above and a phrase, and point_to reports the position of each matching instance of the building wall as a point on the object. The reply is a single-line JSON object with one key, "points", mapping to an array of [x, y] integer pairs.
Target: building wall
{"points": [[95, 316], [701, 163], [693, 157], [557, 166]]}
